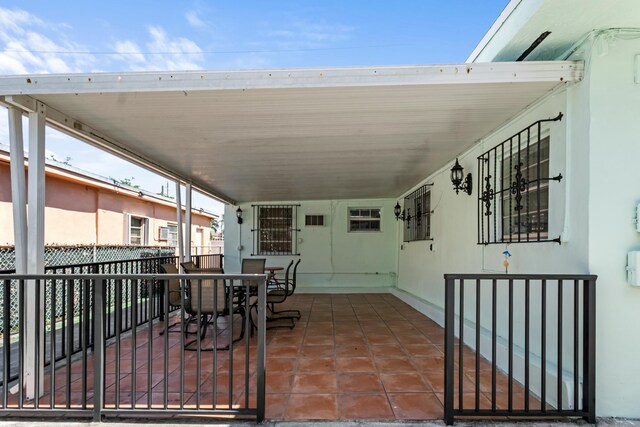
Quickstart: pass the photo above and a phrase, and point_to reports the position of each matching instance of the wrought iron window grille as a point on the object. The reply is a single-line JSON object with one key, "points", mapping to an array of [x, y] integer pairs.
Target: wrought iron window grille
{"points": [[513, 189], [275, 230], [419, 224]]}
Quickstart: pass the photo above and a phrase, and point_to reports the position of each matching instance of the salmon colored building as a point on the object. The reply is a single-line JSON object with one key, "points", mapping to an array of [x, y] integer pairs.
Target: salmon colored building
{"points": [[86, 209]]}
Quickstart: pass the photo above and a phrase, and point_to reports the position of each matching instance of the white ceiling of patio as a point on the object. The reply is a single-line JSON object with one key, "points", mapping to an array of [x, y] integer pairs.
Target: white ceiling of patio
{"points": [[293, 134]]}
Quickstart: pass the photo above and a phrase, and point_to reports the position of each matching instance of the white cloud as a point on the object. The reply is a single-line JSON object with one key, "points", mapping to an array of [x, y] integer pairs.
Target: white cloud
{"points": [[250, 61], [27, 46], [12, 20], [30, 45], [308, 35], [129, 51], [193, 18], [161, 53]]}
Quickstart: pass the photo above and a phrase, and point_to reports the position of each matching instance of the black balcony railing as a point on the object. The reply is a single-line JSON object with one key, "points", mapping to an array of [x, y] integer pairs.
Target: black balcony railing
{"points": [[533, 338], [205, 369], [69, 304]]}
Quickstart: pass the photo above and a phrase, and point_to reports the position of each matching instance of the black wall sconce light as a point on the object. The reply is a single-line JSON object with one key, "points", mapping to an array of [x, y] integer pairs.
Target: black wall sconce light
{"points": [[459, 181], [401, 215], [239, 215]]}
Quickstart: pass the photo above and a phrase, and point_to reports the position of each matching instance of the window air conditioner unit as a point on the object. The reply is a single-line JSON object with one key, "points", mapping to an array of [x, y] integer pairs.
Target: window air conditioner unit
{"points": [[164, 233]]}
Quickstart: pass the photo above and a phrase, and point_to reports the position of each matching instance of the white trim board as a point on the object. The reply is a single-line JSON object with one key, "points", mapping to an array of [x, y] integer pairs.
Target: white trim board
{"points": [[496, 72]]}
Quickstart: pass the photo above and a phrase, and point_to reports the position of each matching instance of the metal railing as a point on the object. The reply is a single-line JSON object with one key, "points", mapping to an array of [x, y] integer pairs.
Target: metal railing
{"points": [[510, 356], [209, 260], [71, 305], [145, 370], [68, 303]]}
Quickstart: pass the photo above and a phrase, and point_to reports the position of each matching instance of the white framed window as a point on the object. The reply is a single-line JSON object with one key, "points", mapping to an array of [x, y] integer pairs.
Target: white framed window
{"points": [[365, 220], [138, 227], [172, 235]]}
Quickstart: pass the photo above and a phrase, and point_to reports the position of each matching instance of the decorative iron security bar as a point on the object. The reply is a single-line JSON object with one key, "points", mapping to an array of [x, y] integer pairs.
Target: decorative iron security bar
{"points": [[526, 346], [513, 189], [418, 212], [275, 230]]}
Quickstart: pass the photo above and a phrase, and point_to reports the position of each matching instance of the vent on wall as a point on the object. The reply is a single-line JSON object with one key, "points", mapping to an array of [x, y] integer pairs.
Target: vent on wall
{"points": [[314, 220]]}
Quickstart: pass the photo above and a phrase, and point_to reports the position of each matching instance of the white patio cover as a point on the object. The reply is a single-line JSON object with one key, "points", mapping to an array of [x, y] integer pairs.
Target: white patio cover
{"points": [[299, 134]]}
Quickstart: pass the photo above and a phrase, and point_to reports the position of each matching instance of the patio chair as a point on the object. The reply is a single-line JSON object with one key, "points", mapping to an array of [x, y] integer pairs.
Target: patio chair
{"points": [[290, 288], [189, 265], [253, 265], [173, 288], [209, 299], [278, 295]]}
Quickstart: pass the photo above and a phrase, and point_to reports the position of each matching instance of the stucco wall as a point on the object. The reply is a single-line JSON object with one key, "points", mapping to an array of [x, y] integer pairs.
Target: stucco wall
{"points": [[6, 215], [614, 194], [596, 148], [455, 248], [77, 213], [333, 259], [454, 221]]}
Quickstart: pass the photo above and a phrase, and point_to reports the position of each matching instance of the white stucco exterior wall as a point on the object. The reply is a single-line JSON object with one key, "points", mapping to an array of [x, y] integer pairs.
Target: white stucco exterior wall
{"points": [[333, 259], [614, 192], [596, 147], [454, 221], [455, 233]]}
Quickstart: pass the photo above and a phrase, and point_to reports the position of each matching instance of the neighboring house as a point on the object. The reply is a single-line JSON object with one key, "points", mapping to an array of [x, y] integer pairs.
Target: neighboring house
{"points": [[86, 209]]}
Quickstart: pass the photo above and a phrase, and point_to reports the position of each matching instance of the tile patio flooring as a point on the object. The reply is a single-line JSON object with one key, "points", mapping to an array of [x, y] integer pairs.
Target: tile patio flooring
{"points": [[364, 356]]}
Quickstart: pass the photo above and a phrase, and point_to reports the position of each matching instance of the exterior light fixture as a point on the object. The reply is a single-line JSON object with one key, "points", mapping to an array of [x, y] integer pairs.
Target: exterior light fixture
{"points": [[400, 214], [459, 181], [239, 215]]}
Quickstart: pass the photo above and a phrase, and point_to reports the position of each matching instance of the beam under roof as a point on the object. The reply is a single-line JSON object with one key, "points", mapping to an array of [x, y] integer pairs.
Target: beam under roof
{"points": [[299, 134]]}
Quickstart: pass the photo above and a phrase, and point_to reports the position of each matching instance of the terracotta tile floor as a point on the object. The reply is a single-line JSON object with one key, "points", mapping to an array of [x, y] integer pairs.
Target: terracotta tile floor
{"points": [[365, 356]]}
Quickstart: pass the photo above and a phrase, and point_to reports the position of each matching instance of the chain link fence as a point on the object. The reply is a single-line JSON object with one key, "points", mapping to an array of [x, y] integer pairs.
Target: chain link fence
{"points": [[74, 259], [83, 254]]}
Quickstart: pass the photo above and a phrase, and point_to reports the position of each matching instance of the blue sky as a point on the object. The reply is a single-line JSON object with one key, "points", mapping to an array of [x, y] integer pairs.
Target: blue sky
{"points": [[80, 36]]}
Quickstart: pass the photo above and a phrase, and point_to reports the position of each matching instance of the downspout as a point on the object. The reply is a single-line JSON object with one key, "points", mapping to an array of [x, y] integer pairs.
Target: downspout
{"points": [[97, 228], [97, 199]]}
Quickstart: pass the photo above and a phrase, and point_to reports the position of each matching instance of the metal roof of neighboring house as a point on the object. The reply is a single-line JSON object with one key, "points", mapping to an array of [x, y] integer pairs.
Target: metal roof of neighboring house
{"points": [[570, 22], [291, 134], [68, 172]]}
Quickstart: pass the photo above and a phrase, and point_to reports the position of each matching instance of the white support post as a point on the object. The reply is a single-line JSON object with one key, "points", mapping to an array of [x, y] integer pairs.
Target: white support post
{"points": [[35, 260], [18, 189], [179, 220], [187, 233]]}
